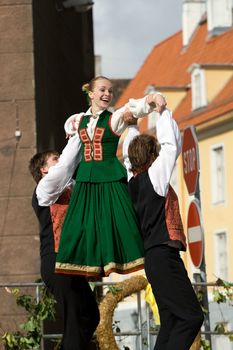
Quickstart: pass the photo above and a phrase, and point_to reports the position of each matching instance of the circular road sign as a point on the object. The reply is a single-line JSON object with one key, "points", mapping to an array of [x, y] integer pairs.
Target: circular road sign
{"points": [[195, 234], [190, 157]]}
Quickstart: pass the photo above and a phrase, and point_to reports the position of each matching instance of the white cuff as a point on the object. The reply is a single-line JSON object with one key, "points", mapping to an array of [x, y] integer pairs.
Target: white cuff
{"points": [[139, 107]]}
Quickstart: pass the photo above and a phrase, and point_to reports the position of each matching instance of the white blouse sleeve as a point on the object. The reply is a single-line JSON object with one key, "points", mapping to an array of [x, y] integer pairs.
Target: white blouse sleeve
{"points": [[60, 175], [72, 123], [132, 132], [118, 124], [139, 108], [168, 136]]}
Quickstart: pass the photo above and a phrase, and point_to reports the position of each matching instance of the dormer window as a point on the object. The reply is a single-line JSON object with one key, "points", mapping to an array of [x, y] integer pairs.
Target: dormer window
{"points": [[198, 87]]}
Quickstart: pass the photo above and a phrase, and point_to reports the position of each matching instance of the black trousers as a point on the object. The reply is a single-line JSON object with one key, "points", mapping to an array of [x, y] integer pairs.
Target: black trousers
{"points": [[180, 313], [76, 302]]}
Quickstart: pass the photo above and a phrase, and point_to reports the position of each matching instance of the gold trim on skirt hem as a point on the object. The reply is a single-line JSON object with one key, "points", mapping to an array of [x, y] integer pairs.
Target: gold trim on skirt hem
{"points": [[67, 268]]}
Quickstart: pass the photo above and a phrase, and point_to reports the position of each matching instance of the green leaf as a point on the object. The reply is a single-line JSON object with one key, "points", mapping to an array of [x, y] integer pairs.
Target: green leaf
{"points": [[219, 297], [205, 344], [220, 328], [114, 289]]}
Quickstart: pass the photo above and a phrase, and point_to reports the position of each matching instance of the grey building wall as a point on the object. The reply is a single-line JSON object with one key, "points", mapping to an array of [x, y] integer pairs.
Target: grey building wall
{"points": [[45, 57]]}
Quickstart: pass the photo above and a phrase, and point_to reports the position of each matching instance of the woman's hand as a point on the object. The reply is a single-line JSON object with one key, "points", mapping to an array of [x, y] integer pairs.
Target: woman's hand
{"points": [[71, 126], [129, 118]]}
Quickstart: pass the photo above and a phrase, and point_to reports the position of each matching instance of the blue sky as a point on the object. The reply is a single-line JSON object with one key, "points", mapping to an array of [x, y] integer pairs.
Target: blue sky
{"points": [[125, 31]]}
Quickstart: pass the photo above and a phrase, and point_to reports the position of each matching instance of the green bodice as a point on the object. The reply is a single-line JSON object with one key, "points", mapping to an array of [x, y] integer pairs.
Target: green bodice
{"points": [[99, 162]]}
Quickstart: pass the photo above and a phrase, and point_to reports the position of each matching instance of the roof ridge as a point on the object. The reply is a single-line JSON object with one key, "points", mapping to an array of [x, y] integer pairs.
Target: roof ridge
{"points": [[166, 39]]}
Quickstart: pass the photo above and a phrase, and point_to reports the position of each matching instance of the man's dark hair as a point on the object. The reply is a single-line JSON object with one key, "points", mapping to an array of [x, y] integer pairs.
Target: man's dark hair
{"points": [[38, 161], [143, 150]]}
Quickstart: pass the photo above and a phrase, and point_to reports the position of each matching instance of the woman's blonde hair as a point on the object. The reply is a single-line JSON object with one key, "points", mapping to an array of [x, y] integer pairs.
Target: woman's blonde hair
{"points": [[90, 86]]}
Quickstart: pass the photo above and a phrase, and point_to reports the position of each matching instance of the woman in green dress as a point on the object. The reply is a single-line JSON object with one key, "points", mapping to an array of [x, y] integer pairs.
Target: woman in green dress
{"points": [[101, 232]]}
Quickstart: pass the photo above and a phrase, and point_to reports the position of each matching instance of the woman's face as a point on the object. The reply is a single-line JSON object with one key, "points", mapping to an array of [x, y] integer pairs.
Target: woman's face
{"points": [[101, 96]]}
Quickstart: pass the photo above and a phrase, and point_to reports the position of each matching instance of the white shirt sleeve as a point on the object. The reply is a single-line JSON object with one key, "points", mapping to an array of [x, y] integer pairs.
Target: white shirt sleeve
{"points": [[169, 137], [132, 132], [60, 175]]}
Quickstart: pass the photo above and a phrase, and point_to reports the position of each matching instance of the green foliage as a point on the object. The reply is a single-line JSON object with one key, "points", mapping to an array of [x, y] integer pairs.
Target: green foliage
{"points": [[228, 290], [114, 289], [220, 328], [219, 297], [31, 331], [225, 295], [200, 297], [222, 293], [205, 344]]}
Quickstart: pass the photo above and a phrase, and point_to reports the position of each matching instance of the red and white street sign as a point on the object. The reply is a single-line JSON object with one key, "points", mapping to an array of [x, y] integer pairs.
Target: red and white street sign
{"points": [[195, 234], [190, 157]]}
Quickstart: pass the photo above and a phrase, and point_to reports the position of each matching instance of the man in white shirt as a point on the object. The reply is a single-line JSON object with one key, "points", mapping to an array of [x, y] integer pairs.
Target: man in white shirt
{"points": [[156, 203], [75, 299]]}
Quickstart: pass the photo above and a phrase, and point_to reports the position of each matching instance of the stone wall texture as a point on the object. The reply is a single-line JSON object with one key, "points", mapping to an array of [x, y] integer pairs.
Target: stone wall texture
{"points": [[45, 57]]}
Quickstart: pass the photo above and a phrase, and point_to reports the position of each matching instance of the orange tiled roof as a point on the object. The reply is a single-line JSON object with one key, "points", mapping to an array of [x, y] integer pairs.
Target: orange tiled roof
{"points": [[168, 63]]}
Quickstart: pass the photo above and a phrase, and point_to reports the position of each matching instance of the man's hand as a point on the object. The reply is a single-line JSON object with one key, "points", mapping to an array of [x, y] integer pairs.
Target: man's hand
{"points": [[157, 102]]}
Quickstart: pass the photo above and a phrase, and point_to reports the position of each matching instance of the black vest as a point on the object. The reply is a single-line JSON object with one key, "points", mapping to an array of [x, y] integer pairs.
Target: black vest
{"points": [[150, 208], [159, 216], [46, 227]]}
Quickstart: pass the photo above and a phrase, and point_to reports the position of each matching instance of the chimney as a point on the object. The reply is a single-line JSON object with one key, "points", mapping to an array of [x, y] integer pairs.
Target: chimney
{"points": [[219, 16], [193, 10], [98, 65]]}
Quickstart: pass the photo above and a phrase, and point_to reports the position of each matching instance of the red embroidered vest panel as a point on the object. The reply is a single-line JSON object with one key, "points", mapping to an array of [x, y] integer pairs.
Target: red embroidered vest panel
{"points": [[173, 218], [58, 212]]}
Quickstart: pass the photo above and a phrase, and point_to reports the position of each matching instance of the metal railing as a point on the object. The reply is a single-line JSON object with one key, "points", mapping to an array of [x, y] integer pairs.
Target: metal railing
{"points": [[137, 332]]}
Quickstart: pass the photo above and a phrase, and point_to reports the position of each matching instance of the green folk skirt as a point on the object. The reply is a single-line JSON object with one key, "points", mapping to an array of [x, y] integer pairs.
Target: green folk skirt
{"points": [[101, 232]]}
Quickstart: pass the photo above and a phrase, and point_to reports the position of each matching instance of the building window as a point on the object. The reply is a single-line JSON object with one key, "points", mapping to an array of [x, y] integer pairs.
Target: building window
{"points": [[218, 174], [198, 88], [221, 256]]}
